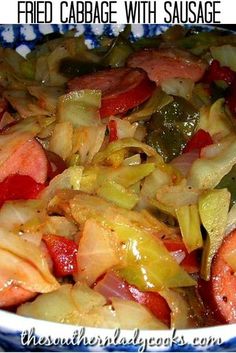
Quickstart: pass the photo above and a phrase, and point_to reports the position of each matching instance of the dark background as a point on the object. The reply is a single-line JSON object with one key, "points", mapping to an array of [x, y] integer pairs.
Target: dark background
{"points": [[231, 27]]}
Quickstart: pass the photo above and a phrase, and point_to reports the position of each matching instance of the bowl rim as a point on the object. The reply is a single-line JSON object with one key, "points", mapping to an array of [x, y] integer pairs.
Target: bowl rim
{"points": [[15, 325]]}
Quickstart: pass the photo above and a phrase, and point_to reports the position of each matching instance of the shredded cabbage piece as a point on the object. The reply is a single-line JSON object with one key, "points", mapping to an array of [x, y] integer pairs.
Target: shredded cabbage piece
{"points": [[206, 173], [213, 210], [189, 222], [121, 144], [225, 54], [24, 264], [83, 306], [80, 108], [150, 271], [216, 120], [69, 179]]}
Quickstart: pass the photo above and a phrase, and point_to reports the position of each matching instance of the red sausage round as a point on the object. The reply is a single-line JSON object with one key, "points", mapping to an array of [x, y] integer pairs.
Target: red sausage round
{"points": [[14, 295], [163, 64], [220, 292], [122, 88], [29, 159]]}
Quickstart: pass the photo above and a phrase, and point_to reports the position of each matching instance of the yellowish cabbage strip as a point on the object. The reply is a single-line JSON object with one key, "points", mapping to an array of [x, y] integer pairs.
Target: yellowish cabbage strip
{"points": [[225, 54], [180, 318], [206, 173], [215, 120], [69, 179], [16, 137], [190, 226], [213, 210], [175, 196], [61, 139], [47, 96], [153, 182], [118, 194], [60, 226], [24, 103], [118, 145], [87, 141], [149, 265], [23, 263], [118, 185], [126, 175], [94, 177], [81, 108], [181, 87], [15, 214]]}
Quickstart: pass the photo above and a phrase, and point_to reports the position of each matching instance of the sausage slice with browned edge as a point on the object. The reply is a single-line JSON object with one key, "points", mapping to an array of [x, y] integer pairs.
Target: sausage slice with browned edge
{"points": [[14, 295], [163, 64], [122, 88], [219, 294]]}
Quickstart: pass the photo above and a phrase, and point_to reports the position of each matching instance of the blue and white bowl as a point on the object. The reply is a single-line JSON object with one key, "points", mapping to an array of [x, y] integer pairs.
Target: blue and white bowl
{"points": [[25, 334]]}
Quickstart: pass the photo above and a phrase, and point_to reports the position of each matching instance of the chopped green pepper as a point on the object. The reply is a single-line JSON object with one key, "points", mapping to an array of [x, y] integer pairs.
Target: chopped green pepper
{"points": [[167, 142], [199, 43], [170, 127], [174, 33], [143, 43], [119, 50], [71, 67]]}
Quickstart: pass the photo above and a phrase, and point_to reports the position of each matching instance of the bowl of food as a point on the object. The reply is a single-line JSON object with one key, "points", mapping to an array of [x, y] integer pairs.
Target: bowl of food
{"points": [[117, 188]]}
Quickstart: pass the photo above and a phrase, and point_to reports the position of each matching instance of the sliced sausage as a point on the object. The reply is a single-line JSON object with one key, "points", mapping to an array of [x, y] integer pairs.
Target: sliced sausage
{"points": [[29, 159], [220, 292], [14, 296], [122, 88], [164, 64]]}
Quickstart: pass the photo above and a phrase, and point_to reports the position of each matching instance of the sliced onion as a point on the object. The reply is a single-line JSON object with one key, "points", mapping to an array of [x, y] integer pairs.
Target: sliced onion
{"points": [[113, 286], [184, 162]]}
